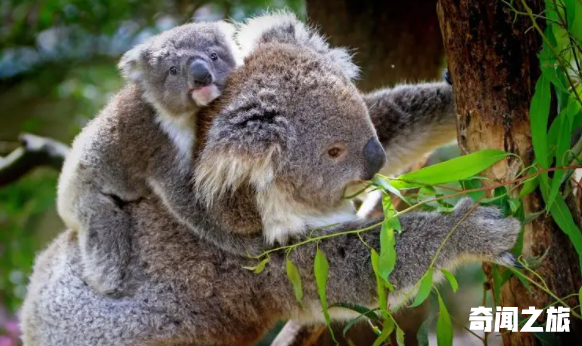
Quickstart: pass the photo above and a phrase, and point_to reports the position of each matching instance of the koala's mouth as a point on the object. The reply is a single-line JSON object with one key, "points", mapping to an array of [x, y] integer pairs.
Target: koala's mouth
{"points": [[203, 95]]}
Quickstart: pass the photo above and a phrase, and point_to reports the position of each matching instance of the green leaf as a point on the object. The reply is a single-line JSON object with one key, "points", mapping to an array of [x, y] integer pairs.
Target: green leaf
{"points": [[529, 186], [497, 283], [522, 278], [399, 336], [451, 279], [455, 169], [386, 185], [369, 314], [362, 310], [259, 267], [565, 221], [530, 217], [375, 258], [295, 279], [387, 259], [539, 111], [444, 326], [390, 218], [565, 119], [424, 289], [422, 334], [386, 331], [321, 271]]}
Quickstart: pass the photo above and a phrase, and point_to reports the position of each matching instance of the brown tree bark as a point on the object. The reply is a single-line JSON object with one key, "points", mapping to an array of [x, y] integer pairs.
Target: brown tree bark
{"points": [[492, 58], [393, 41]]}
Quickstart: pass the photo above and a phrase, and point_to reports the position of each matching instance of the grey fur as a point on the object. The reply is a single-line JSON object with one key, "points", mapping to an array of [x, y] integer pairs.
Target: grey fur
{"points": [[193, 290], [140, 145]]}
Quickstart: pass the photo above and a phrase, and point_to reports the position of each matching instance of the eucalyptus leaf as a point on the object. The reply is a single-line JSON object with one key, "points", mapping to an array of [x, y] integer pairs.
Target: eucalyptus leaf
{"points": [[387, 329], [455, 169], [424, 289], [444, 326], [259, 267], [451, 279], [539, 112], [387, 259], [321, 271], [295, 279]]}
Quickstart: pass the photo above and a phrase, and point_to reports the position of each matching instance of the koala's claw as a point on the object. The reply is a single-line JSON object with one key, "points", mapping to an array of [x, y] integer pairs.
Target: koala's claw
{"points": [[508, 260]]}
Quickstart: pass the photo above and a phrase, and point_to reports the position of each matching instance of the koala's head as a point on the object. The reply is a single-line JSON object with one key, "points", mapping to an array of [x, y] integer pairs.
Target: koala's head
{"points": [[184, 68], [293, 127]]}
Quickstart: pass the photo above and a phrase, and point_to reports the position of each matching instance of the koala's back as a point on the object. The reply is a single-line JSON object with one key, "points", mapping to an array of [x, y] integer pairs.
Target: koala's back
{"points": [[111, 153], [189, 293]]}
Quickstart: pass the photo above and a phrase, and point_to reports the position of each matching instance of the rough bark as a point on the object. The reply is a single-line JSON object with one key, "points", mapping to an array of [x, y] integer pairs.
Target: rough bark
{"points": [[393, 41], [492, 58]]}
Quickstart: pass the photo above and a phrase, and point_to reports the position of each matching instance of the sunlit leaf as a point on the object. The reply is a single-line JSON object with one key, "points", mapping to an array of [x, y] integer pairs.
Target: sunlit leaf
{"points": [[444, 326], [424, 289], [387, 329], [451, 279], [295, 279], [399, 336], [387, 259], [375, 258], [455, 169], [321, 271], [259, 267]]}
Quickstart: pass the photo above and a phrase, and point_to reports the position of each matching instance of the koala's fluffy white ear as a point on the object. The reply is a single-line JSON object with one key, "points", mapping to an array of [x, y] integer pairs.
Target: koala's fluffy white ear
{"points": [[130, 64], [284, 27]]}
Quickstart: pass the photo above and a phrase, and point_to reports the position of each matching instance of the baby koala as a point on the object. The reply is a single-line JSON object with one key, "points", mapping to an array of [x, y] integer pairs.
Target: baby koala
{"points": [[141, 143]]}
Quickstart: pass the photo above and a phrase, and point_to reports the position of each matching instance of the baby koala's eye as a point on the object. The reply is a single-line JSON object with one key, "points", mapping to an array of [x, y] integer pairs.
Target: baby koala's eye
{"points": [[173, 70], [214, 56]]}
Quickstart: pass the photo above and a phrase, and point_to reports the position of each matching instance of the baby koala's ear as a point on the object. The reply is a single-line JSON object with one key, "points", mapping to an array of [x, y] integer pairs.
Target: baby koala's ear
{"points": [[131, 64]]}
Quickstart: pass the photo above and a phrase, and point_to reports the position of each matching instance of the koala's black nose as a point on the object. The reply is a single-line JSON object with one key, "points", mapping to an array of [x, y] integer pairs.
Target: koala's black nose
{"points": [[200, 73], [375, 158]]}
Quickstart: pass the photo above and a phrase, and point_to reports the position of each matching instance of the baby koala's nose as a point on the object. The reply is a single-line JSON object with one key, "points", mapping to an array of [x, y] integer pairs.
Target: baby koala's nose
{"points": [[200, 73], [375, 158]]}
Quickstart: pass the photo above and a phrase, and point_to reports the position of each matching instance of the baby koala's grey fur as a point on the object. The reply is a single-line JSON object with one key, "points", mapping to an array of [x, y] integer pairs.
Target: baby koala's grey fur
{"points": [[273, 174], [140, 144]]}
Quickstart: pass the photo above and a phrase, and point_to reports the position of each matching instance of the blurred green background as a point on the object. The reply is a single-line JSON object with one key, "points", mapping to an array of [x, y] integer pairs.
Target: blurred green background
{"points": [[58, 68]]}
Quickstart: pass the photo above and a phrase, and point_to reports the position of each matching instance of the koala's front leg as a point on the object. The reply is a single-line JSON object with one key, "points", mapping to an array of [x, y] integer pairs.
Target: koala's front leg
{"points": [[481, 234], [411, 120]]}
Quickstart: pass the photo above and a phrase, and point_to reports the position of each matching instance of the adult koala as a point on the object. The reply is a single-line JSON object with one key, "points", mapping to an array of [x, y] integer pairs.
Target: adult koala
{"points": [[290, 132]]}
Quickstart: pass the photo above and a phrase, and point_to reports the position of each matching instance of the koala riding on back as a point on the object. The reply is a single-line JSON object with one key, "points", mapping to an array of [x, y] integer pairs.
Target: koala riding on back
{"points": [[142, 143]]}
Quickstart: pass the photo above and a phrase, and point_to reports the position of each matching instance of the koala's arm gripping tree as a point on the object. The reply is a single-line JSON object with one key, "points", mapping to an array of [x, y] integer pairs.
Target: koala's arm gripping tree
{"points": [[480, 233], [412, 120]]}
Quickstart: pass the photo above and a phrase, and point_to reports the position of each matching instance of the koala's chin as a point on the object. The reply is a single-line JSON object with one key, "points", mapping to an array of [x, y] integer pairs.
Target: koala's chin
{"points": [[202, 96]]}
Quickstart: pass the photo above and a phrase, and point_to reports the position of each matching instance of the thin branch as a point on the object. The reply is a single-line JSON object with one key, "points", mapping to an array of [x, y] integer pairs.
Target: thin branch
{"points": [[34, 152]]}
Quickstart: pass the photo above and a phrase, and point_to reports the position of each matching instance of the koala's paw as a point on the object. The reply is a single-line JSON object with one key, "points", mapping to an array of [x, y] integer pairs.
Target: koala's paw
{"points": [[487, 233]]}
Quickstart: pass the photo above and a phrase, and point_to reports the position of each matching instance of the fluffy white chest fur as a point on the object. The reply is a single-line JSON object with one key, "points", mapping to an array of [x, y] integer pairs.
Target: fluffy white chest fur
{"points": [[180, 130]]}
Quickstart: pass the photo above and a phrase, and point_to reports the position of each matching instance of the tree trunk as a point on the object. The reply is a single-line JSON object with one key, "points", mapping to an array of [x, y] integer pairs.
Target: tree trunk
{"points": [[492, 59], [393, 41]]}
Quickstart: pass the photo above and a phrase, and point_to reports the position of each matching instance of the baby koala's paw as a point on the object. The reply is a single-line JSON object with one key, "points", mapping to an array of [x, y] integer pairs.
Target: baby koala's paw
{"points": [[487, 233]]}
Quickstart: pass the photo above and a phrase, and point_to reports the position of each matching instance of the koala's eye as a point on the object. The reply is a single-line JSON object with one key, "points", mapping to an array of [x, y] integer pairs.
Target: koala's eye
{"points": [[173, 70], [334, 152], [214, 56]]}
